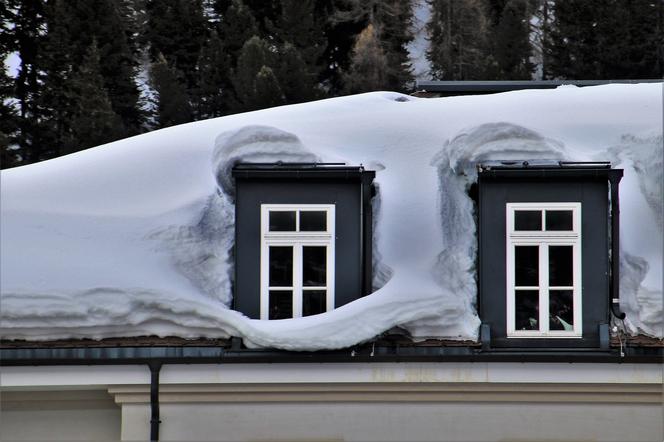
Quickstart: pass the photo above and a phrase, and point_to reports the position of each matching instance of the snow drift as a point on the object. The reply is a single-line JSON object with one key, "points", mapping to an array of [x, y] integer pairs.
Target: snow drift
{"points": [[133, 237]]}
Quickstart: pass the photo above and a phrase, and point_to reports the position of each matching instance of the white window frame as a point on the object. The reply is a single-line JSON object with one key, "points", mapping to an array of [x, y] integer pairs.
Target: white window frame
{"points": [[297, 240], [543, 239]]}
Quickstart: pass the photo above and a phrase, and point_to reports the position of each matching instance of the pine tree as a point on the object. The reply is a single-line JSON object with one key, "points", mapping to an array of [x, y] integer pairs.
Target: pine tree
{"points": [[391, 21], [9, 152], [236, 27], [173, 104], [214, 88], [21, 24], [596, 39], [177, 29], [458, 35], [55, 102], [510, 43], [301, 45], [297, 79], [93, 120], [255, 83], [395, 19], [101, 20], [368, 69]]}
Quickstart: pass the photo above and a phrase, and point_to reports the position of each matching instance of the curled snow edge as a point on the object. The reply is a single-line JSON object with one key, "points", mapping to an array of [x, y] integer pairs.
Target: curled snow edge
{"points": [[425, 283]]}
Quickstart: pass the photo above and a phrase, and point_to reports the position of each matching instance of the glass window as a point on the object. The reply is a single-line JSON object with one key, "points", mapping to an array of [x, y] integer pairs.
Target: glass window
{"points": [[544, 266], [527, 309], [526, 268], [314, 302], [560, 220], [281, 304], [561, 266], [281, 266], [282, 221], [314, 266], [313, 221], [561, 310], [527, 220], [297, 260]]}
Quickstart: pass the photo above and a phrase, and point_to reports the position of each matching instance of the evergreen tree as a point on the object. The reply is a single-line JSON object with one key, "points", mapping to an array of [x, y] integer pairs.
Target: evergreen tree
{"points": [[173, 104], [21, 24], [93, 120], [458, 39], [395, 19], [236, 27], [214, 87], [368, 69], [254, 80], [595, 39], [177, 29], [391, 21], [55, 101], [510, 43], [296, 78], [101, 20], [9, 152], [302, 43], [267, 90]]}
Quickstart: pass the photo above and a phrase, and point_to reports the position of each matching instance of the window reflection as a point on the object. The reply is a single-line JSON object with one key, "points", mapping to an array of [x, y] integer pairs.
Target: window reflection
{"points": [[313, 221], [526, 271], [282, 221], [281, 304], [313, 302], [528, 220], [526, 303], [561, 310], [281, 266]]}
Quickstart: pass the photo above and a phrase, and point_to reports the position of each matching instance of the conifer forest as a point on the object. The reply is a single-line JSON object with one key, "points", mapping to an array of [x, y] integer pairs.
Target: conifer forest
{"points": [[94, 71]]}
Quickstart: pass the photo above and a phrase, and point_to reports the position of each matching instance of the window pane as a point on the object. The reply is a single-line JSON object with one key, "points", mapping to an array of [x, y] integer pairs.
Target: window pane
{"points": [[561, 310], [313, 221], [313, 302], [559, 220], [561, 266], [281, 267], [281, 304], [527, 220], [314, 266], [282, 221], [526, 266], [526, 303]]}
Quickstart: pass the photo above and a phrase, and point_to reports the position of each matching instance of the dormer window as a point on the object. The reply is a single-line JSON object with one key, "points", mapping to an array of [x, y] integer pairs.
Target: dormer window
{"points": [[546, 236], [302, 238]]}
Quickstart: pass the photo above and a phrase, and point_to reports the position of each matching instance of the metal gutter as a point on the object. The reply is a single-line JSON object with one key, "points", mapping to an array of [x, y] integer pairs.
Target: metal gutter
{"points": [[218, 355]]}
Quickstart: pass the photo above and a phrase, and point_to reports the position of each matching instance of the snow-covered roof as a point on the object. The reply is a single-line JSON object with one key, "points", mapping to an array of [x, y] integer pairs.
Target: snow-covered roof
{"points": [[133, 237]]}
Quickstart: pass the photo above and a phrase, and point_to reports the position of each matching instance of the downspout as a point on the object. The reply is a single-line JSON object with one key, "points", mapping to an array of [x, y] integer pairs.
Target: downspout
{"points": [[155, 367], [614, 293]]}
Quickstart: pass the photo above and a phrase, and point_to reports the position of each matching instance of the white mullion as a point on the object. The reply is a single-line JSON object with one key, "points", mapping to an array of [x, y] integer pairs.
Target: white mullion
{"points": [[264, 280], [544, 287], [511, 304], [297, 280], [329, 277], [576, 293]]}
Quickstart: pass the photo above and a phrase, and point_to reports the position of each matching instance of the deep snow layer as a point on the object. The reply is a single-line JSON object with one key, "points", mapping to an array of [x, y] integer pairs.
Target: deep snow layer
{"points": [[133, 237]]}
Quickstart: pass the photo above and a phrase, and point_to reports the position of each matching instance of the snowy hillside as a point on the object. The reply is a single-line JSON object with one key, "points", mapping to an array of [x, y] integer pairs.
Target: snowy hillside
{"points": [[133, 237]]}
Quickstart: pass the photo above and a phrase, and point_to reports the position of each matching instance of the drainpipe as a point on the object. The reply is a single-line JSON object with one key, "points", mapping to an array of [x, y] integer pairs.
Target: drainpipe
{"points": [[155, 366], [614, 294]]}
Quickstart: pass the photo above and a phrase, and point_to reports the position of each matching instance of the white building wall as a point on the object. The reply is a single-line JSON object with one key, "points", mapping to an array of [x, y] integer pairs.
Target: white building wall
{"points": [[323, 402]]}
